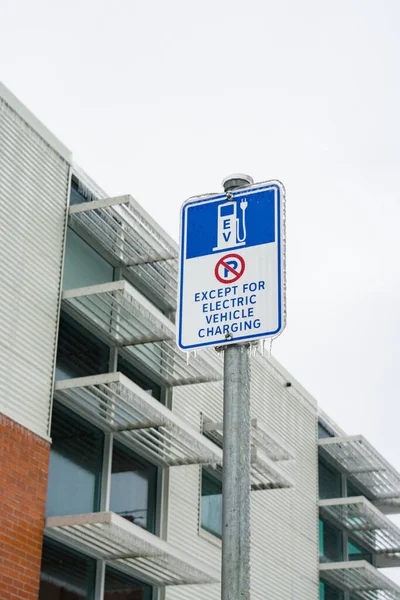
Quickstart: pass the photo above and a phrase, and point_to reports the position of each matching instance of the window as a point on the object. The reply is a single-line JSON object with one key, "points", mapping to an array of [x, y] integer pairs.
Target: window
{"points": [[75, 472], [79, 353], [142, 277], [83, 265], [323, 432], [77, 195], [330, 542], [352, 490], [118, 586], [133, 488], [329, 481], [357, 552], [211, 504], [137, 377], [69, 575], [328, 592], [65, 575], [75, 465], [321, 538]]}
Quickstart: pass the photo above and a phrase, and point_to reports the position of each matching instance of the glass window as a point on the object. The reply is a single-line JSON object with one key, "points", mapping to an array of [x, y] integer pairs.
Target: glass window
{"points": [[141, 277], [75, 465], [211, 504], [323, 432], [79, 353], [83, 265], [118, 586], [329, 481], [65, 575], [133, 488], [137, 377], [321, 538], [330, 542], [77, 195], [357, 552], [327, 592], [352, 490]]}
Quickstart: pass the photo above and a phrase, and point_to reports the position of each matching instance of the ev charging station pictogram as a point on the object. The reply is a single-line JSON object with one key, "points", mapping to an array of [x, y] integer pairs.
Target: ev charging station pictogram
{"points": [[228, 225], [231, 267]]}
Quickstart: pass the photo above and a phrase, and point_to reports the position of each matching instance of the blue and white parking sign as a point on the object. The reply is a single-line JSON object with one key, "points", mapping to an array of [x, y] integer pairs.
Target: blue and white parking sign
{"points": [[231, 285]]}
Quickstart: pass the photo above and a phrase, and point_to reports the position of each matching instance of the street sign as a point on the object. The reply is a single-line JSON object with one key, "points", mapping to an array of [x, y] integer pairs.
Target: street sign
{"points": [[231, 284]]}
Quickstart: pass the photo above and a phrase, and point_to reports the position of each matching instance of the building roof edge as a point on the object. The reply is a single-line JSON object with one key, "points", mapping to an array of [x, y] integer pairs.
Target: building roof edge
{"points": [[34, 123]]}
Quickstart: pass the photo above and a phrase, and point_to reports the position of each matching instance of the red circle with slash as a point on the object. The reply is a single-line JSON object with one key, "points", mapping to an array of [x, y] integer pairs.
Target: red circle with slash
{"points": [[229, 268]]}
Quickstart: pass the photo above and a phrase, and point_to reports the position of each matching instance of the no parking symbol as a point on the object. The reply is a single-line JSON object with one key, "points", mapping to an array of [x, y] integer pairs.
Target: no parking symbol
{"points": [[229, 268]]}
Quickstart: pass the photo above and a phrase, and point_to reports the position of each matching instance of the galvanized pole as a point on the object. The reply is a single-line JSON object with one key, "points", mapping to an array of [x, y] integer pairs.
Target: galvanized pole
{"points": [[236, 460]]}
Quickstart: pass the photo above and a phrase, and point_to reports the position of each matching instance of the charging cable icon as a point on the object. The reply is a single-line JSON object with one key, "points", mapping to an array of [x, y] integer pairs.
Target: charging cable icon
{"points": [[228, 225]]}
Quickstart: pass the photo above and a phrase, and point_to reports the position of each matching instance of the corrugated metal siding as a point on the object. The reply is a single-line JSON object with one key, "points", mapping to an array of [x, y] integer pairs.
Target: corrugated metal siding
{"points": [[33, 202], [284, 547]]}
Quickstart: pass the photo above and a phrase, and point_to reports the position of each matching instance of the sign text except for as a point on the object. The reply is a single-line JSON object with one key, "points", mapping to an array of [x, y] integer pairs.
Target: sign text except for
{"points": [[229, 311], [225, 291]]}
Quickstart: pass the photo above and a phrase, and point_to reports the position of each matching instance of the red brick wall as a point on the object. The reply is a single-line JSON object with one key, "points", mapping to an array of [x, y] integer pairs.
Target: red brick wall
{"points": [[24, 459]]}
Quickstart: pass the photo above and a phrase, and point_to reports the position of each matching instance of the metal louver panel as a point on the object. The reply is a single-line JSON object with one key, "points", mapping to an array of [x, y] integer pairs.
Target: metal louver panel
{"points": [[360, 460], [267, 474], [364, 521], [121, 316], [159, 278], [169, 366], [262, 439], [121, 230], [267, 450], [34, 178], [360, 579], [112, 538], [118, 314], [116, 404]]}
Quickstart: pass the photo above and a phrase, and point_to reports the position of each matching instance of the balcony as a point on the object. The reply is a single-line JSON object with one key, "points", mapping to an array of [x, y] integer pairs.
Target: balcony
{"points": [[366, 466], [125, 234], [110, 537], [121, 316], [266, 453], [360, 579], [115, 404]]}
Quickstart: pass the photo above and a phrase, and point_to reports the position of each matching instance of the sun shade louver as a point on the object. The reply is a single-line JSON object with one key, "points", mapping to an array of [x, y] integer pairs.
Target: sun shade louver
{"points": [[110, 537], [115, 404], [125, 234], [360, 579], [364, 522], [367, 467], [268, 453]]}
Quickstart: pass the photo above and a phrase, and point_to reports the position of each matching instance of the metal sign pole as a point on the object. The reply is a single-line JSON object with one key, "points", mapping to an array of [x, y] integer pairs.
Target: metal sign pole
{"points": [[236, 487]]}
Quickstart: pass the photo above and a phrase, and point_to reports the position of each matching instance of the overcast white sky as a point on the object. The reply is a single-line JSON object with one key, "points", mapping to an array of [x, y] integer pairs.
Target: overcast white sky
{"points": [[163, 99]]}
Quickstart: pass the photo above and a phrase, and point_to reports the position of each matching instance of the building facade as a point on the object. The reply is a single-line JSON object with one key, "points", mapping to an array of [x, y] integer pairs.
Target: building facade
{"points": [[111, 438]]}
